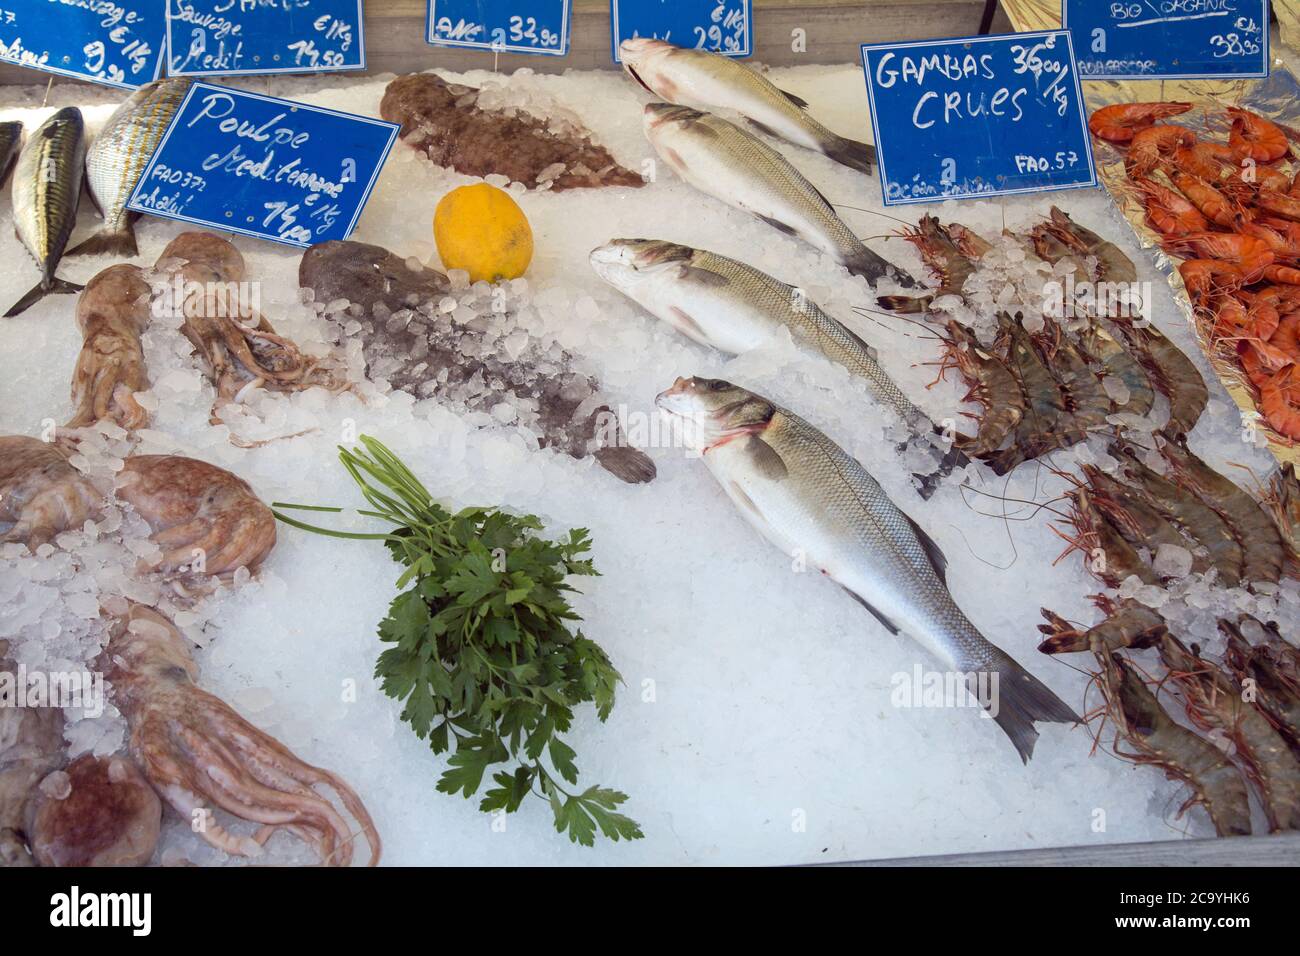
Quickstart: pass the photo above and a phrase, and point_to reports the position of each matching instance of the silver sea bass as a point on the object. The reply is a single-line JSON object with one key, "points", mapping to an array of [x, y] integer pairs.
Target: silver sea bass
{"points": [[806, 495], [722, 160], [46, 190], [734, 308], [117, 157], [709, 81]]}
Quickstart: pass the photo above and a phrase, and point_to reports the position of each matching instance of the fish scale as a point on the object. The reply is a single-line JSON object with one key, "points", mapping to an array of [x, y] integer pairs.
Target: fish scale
{"points": [[828, 334]]}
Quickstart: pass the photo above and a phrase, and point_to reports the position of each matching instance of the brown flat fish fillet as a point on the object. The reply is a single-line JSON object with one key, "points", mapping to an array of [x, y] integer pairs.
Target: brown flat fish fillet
{"points": [[408, 341], [443, 121]]}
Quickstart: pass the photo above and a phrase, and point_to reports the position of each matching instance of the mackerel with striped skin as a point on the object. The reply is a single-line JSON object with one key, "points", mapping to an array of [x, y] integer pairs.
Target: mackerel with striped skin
{"points": [[46, 190], [117, 158], [809, 497]]}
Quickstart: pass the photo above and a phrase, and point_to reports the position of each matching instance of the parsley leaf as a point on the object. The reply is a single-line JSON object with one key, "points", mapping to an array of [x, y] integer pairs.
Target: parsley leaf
{"points": [[479, 648]]}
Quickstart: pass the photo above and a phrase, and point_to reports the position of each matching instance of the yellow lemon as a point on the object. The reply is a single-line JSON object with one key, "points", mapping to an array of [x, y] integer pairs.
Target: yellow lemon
{"points": [[482, 230]]}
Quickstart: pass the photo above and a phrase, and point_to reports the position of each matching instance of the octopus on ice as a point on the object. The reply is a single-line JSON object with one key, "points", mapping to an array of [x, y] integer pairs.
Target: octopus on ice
{"points": [[186, 746]]}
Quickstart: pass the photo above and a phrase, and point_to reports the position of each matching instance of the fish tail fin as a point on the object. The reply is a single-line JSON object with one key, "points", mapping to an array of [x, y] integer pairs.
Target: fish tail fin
{"points": [[627, 463], [56, 286], [108, 242], [863, 262], [1019, 700], [851, 153], [928, 483]]}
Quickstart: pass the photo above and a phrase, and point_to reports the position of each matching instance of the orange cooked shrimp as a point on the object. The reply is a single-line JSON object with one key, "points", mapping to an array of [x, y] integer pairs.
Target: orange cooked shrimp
{"points": [[1278, 204], [1286, 337], [1252, 135], [1231, 317], [1169, 213], [1243, 316], [1284, 275], [1119, 122], [1213, 204], [1207, 278], [1216, 163], [1267, 177], [1278, 396], [1151, 145], [1281, 245], [1284, 298], [1262, 320], [1247, 253]]}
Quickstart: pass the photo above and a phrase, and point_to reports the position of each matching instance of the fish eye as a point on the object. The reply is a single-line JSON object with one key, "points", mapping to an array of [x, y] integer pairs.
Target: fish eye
{"points": [[717, 385]]}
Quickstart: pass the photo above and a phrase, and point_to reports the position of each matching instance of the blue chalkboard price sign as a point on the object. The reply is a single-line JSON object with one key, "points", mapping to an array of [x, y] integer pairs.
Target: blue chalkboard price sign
{"points": [[979, 116], [119, 44], [720, 26], [1170, 39], [266, 167], [228, 38], [505, 26]]}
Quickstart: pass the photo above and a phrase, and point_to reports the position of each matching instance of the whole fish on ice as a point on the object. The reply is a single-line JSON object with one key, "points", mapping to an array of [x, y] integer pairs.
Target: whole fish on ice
{"points": [[734, 308], [409, 341], [707, 81], [806, 495], [117, 157], [722, 160], [46, 190]]}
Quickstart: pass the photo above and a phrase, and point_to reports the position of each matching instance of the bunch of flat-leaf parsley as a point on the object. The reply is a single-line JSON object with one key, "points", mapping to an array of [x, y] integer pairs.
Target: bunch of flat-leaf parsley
{"points": [[481, 652]]}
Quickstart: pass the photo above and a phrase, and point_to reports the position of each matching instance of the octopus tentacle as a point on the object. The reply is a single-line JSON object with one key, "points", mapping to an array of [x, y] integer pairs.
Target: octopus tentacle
{"points": [[260, 751], [244, 795], [193, 747]]}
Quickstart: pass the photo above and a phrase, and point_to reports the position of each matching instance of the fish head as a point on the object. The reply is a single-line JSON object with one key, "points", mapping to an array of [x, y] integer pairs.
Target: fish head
{"points": [[625, 263], [715, 410], [658, 118], [646, 61]]}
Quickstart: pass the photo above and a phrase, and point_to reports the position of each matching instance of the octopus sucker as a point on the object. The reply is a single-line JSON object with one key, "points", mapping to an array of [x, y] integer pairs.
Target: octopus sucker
{"points": [[199, 754]]}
